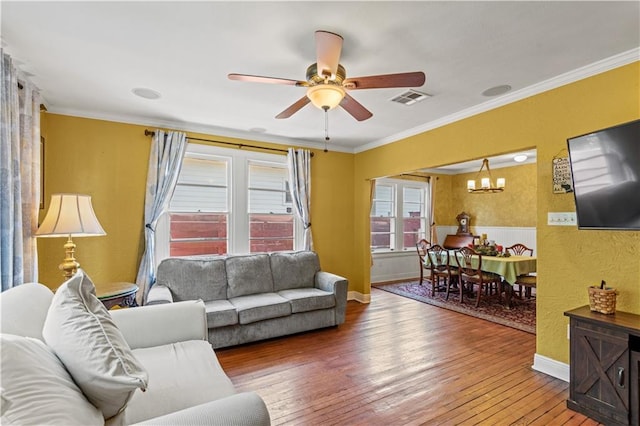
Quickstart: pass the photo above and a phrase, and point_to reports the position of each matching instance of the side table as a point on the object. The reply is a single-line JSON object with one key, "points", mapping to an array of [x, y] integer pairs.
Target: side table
{"points": [[122, 294]]}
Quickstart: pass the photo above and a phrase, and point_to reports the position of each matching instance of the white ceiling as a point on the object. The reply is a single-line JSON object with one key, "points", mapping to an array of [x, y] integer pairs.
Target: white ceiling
{"points": [[86, 57]]}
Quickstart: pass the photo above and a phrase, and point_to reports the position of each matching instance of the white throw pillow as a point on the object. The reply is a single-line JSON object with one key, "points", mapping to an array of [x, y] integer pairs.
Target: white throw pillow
{"points": [[81, 332], [36, 388]]}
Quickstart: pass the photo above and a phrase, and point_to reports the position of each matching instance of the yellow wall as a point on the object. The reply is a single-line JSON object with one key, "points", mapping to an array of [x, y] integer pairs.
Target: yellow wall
{"points": [[569, 260], [516, 206], [109, 161]]}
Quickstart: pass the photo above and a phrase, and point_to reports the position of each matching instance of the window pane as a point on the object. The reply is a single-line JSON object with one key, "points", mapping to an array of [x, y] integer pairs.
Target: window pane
{"points": [[384, 192], [203, 171], [271, 222], [202, 186], [190, 198], [266, 176], [382, 208], [382, 234], [413, 214], [270, 232], [269, 202], [197, 233], [268, 189], [413, 231], [194, 248], [413, 202]]}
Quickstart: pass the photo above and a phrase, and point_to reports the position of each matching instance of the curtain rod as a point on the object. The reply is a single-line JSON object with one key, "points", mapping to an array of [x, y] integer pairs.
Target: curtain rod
{"points": [[148, 132], [418, 176]]}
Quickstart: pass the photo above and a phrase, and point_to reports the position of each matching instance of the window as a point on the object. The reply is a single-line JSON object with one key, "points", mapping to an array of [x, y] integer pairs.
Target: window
{"points": [[398, 214], [413, 216], [383, 217], [199, 208], [271, 221], [229, 201]]}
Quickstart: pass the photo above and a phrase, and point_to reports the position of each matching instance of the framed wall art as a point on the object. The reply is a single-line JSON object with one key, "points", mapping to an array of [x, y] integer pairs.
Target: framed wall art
{"points": [[562, 182]]}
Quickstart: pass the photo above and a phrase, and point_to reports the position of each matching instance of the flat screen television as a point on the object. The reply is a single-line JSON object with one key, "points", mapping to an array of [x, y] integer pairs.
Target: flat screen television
{"points": [[605, 168]]}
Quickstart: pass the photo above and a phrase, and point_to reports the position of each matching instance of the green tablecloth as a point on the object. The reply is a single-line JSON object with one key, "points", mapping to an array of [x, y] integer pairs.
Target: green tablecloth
{"points": [[508, 267]]}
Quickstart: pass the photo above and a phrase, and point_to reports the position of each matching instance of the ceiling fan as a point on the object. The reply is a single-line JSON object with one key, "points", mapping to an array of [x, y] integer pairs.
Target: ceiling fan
{"points": [[327, 83]]}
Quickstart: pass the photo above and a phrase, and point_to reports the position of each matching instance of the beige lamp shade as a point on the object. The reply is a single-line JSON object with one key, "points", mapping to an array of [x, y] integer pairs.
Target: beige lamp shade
{"points": [[70, 215], [326, 96]]}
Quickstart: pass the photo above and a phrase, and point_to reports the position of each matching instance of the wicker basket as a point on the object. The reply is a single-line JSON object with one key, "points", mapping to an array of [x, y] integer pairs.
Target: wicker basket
{"points": [[602, 300]]}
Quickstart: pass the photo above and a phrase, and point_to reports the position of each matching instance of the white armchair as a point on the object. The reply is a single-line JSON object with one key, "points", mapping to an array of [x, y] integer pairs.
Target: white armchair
{"points": [[186, 382]]}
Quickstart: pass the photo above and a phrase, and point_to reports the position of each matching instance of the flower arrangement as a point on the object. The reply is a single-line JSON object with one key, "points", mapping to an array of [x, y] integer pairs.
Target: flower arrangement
{"points": [[489, 250]]}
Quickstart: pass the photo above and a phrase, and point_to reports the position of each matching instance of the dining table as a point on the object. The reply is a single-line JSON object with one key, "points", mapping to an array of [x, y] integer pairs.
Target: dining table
{"points": [[507, 267]]}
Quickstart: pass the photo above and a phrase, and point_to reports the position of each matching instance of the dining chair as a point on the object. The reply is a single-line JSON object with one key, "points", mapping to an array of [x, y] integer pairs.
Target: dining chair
{"points": [[438, 258], [527, 281], [519, 249], [421, 247], [471, 275]]}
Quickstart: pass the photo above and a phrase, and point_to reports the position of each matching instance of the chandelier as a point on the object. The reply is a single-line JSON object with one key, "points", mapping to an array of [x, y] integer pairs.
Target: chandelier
{"points": [[486, 181]]}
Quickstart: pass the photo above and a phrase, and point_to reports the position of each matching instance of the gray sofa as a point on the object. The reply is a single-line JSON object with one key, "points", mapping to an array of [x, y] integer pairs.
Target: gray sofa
{"points": [[254, 297]]}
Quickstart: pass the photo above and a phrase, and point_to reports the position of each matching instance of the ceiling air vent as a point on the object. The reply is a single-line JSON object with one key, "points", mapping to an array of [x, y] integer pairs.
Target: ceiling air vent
{"points": [[410, 97]]}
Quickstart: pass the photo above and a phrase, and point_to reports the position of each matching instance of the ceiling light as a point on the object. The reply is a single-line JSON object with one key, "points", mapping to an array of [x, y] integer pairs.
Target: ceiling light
{"points": [[520, 158], [486, 181], [146, 93], [497, 90], [325, 96]]}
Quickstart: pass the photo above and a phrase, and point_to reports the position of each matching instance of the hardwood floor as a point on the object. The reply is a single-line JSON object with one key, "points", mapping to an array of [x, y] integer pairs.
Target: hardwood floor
{"points": [[397, 361]]}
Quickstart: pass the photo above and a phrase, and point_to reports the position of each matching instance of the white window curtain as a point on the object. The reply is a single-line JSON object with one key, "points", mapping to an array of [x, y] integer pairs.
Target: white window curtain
{"points": [[165, 161], [432, 235], [19, 176], [299, 163]]}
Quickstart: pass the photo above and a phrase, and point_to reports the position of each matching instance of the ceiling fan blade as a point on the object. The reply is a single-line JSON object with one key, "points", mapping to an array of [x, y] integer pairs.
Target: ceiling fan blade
{"points": [[407, 79], [297, 106], [328, 49], [270, 80], [355, 108]]}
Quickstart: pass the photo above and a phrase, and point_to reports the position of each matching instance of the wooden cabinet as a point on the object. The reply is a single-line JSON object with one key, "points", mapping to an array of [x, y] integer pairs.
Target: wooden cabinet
{"points": [[604, 366]]}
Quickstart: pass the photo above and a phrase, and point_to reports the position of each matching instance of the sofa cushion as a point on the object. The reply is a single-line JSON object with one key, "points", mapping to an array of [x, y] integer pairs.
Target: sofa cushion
{"points": [[192, 279], [181, 375], [308, 299], [37, 389], [258, 307], [294, 270], [248, 275], [20, 321], [82, 334], [220, 313]]}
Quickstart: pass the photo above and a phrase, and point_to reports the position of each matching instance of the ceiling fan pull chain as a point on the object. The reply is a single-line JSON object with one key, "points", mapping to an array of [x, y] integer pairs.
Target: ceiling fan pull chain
{"points": [[326, 127]]}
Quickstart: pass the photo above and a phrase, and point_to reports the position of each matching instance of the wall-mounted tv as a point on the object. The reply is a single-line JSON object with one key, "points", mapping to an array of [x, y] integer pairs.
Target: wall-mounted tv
{"points": [[605, 167]]}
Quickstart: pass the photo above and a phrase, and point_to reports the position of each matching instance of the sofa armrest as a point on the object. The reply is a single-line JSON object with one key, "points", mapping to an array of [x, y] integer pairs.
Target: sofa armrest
{"points": [[241, 409], [155, 325], [338, 286], [158, 294]]}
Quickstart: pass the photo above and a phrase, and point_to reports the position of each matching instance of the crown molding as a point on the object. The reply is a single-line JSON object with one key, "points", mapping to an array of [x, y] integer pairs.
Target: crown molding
{"points": [[590, 70], [198, 128]]}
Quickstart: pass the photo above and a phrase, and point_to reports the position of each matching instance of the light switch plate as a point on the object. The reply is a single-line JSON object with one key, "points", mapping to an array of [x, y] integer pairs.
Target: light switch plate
{"points": [[562, 219]]}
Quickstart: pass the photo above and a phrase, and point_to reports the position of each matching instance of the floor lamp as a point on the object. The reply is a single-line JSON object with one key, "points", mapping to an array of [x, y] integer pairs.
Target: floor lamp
{"points": [[70, 215]]}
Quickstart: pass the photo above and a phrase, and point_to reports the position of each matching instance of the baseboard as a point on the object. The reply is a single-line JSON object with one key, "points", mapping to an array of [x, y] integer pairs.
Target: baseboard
{"points": [[359, 297], [549, 366]]}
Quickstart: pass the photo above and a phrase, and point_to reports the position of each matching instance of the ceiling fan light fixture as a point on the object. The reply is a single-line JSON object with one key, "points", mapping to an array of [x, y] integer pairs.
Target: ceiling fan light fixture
{"points": [[325, 96]]}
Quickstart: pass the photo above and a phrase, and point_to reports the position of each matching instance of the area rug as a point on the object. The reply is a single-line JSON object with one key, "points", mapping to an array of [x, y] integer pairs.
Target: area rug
{"points": [[522, 315]]}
